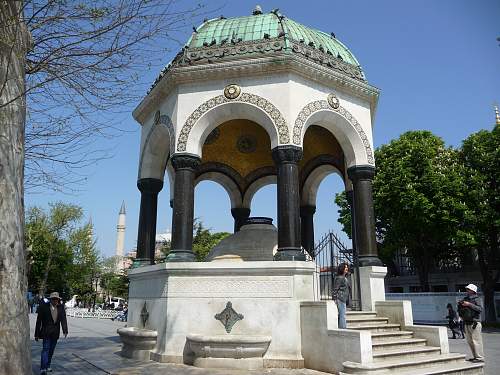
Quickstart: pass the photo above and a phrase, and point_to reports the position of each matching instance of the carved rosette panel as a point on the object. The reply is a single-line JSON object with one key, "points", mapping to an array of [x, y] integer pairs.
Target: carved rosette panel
{"points": [[258, 101], [319, 105]]}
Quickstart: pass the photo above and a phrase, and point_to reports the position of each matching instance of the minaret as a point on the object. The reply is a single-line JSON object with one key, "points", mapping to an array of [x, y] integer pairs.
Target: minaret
{"points": [[120, 236], [497, 116]]}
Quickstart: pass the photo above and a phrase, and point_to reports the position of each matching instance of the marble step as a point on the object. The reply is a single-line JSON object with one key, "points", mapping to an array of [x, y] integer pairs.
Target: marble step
{"points": [[465, 368], [397, 343], [360, 314], [406, 353], [366, 320], [380, 337], [399, 366], [375, 327]]}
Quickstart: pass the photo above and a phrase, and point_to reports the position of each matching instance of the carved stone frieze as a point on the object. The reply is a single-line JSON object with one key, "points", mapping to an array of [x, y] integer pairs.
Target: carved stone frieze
{"points": [[319, 105], [264, 104]]}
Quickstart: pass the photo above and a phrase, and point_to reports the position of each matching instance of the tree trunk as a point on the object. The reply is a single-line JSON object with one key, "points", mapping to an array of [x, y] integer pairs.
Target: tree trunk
{"points": [[489, 302], [15, 354]]}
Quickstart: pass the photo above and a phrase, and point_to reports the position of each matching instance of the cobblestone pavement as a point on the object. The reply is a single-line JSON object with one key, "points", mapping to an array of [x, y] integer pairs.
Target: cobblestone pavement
{"points": [[92, 348]]}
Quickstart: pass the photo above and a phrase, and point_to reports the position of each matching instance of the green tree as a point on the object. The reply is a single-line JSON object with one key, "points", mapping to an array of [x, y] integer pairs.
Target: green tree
{"points": [[204, 240], [48, 236], [114, 285], [480, 154], [418, 201], [86, 266]]}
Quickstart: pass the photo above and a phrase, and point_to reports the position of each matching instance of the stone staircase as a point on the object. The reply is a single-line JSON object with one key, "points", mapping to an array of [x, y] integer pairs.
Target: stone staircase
{"points": [[398, 352]]}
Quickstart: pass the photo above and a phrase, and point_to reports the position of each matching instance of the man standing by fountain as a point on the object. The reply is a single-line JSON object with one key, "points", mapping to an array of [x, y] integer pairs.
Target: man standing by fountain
{"points": [[48, 327]]}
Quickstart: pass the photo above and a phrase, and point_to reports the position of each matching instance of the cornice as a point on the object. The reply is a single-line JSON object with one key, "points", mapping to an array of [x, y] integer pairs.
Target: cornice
{"points": [[278, 63]]}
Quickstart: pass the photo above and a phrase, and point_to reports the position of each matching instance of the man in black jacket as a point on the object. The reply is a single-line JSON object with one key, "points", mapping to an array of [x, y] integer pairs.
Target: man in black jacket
{"points": [[51, 316], [469, 310]]}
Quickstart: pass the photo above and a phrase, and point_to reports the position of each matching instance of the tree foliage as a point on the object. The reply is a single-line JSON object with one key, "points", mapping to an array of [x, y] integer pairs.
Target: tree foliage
{"points": [[418, 201], [114, 284], [480, 154], [62, 254]]}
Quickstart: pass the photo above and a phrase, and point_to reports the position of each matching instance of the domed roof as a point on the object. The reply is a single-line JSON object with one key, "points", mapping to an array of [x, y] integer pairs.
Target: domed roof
{"points": [[259, 27], [261, 35]]}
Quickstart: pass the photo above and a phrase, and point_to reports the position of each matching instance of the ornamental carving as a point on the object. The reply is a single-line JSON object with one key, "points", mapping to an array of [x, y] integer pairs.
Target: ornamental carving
{"points": [[228, 317], [287, 154], [258, 101], [333, 101], [232, 91], [185, 162], [319, 105]]}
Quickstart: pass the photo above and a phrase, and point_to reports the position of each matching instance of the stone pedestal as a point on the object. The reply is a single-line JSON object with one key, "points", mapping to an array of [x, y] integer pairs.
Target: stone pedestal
{"points": [[191, 298], [372, 286]]}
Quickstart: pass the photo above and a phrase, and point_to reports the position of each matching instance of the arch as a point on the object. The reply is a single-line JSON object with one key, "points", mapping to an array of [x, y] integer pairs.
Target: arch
{"points": [[220, 109], [311, 183], [342, 124], [255, 186], [226, 182], [157, 146]]}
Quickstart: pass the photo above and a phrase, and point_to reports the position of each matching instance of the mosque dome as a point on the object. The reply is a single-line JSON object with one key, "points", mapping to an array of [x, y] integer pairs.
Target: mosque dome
{"points": [[264, 35]]}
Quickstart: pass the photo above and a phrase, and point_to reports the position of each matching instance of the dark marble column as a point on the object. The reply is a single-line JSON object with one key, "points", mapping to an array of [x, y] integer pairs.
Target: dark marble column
{"points": [[149, 187], [183, 210], [307, 228], [240, 215], [350, 201], [364, 216], [286, 159]]}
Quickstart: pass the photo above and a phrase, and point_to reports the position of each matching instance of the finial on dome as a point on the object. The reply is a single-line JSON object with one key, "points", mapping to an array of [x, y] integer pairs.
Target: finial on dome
{"points": [[257, 10], [497, 115]]}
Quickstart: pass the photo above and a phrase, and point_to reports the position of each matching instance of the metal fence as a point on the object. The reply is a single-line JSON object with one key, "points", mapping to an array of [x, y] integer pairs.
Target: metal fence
{"points": [[329, 253], [85, 313]]}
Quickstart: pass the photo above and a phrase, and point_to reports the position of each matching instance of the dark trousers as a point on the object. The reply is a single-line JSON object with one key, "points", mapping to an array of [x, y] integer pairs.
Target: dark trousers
{"points": [[47, 352]]}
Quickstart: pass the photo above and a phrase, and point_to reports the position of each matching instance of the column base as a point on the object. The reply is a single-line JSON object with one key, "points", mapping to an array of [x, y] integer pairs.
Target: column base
{"points": [[180, 256], [369, 260], [290, 253], [141, 262]]}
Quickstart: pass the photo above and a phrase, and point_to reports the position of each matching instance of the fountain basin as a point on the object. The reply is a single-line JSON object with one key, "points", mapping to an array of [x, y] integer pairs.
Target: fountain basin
{"points": [[228, 351], [137, 342]]}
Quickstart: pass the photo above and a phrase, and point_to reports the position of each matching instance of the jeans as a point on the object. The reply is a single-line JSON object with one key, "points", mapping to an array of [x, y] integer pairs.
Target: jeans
{"points": [[341, 307], [48, 350]]}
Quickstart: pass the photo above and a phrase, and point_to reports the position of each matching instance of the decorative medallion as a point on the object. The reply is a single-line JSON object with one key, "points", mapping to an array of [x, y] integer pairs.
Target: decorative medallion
{"points": [[144, 315], [246, 144], [232, 91], [318, 105], [258, 101], [212, 137], [333, 101], [228, 317]]}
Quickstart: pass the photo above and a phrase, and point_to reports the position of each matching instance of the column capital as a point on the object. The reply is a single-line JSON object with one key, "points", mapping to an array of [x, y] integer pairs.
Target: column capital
{"points": [[239, 212], [361, 172], [287, 154], [307, 210], [185, 161], [150, 185]]}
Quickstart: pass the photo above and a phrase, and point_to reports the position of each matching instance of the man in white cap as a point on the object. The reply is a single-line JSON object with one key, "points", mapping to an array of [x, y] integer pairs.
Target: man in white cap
{"points": [[470, 311], [51, 316]]}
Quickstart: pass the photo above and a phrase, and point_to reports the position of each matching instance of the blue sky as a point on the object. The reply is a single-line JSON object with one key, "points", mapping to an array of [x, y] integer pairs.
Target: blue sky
{"points": [[437, 64]]}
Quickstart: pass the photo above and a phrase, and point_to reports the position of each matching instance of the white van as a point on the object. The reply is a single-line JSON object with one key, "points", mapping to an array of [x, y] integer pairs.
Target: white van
{"points": [[116, 301]]}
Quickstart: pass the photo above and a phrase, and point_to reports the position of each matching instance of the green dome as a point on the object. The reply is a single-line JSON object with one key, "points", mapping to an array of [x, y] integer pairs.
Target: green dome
{"points": [[266, 26], [263, 35]]}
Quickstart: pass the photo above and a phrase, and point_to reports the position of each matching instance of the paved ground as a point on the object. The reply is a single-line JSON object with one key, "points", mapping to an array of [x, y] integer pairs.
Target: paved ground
{"points": [[92, 347]]}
